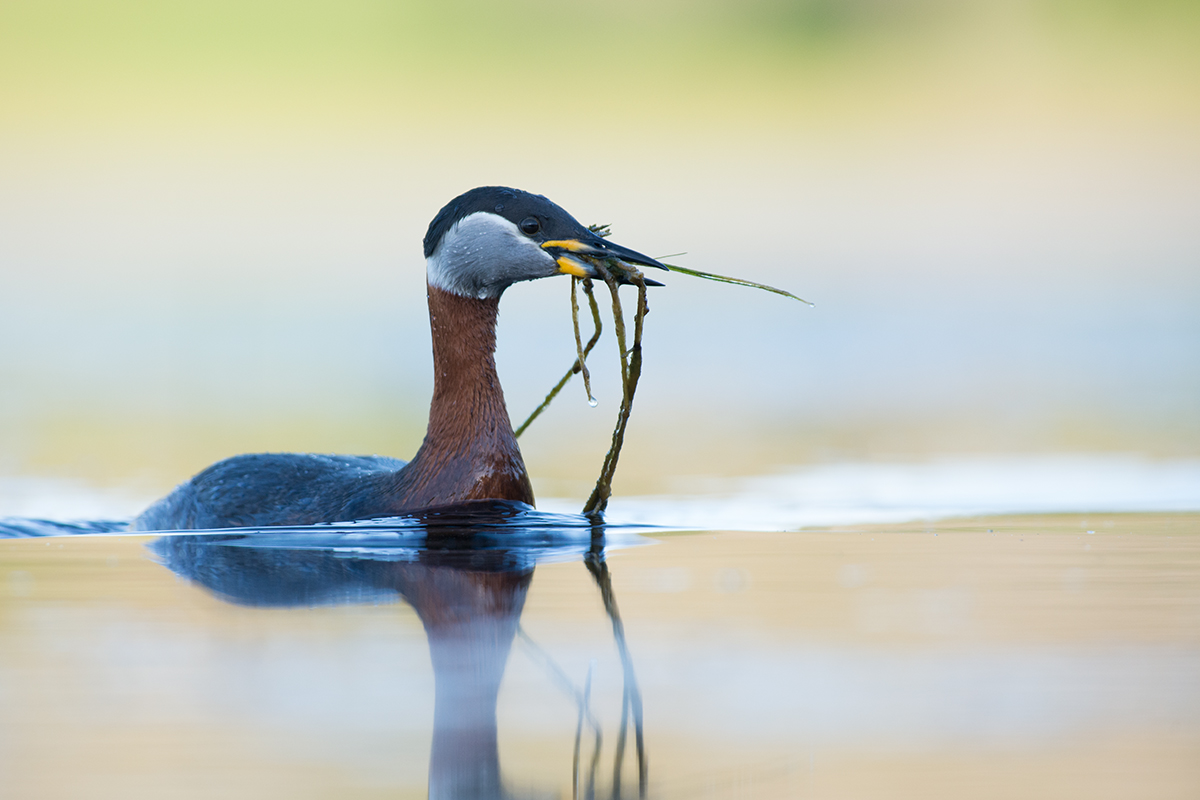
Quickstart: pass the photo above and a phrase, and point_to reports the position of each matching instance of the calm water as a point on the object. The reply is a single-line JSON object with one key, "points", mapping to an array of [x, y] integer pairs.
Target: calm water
{"points": [[1033, 656]]}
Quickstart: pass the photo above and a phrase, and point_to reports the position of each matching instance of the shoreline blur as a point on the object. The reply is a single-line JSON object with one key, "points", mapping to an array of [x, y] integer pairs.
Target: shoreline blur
{"points": [[210, 218]]}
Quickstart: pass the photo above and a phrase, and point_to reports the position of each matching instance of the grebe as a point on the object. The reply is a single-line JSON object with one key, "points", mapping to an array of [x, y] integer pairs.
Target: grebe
{"points": [[478, 245]]}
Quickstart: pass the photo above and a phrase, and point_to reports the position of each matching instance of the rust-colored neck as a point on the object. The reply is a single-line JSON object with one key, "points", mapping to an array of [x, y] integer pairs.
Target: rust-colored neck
{"points": [[469, 452]]}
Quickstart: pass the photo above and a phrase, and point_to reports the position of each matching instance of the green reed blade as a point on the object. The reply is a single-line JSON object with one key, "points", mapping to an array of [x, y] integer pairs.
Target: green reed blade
{"points": [[735, 281]]}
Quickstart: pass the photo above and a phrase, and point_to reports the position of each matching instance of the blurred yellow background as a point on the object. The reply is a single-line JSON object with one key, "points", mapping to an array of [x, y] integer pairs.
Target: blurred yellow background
{"points": [[211, 213]]}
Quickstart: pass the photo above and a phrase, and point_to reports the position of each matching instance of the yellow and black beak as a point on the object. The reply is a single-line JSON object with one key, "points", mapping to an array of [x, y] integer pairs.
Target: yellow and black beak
{"points": [[567, 253]]}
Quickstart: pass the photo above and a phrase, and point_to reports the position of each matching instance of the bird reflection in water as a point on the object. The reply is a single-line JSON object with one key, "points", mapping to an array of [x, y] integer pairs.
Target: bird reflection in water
{"points": [[466, 572]]}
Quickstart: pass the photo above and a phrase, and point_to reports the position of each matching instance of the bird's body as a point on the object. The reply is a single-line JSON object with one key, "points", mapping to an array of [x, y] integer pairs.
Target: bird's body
{"points": [[275, 489], [478, 245]]}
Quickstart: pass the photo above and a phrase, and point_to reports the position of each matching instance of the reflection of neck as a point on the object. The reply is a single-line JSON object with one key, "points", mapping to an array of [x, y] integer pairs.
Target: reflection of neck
{"points": [[470, 619], [469, 452]]}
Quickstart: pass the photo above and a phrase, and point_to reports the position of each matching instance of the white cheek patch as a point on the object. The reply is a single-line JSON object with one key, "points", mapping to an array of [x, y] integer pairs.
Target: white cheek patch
{"points": [[481, 254]]}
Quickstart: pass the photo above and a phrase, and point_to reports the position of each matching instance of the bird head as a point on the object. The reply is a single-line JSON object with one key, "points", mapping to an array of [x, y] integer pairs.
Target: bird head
{"points": [[489, 238]]}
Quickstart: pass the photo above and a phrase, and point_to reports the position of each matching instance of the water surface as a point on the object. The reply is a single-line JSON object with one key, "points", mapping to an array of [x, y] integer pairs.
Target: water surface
{"points": [[1033, 656]]}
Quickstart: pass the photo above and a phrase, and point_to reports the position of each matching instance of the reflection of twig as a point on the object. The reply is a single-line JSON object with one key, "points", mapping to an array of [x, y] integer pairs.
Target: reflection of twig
{"points": [[631, 698], [632, 701], [587, 694], [619, 757], [582, 700], [561, 678], [594, 767]]}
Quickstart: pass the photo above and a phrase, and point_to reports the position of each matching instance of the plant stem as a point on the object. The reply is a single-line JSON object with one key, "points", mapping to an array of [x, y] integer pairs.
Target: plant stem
{"points": [[579, 364]]}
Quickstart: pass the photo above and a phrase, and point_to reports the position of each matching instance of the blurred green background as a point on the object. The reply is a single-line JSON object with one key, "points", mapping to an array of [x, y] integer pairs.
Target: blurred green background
{"points": [[211, 214]]}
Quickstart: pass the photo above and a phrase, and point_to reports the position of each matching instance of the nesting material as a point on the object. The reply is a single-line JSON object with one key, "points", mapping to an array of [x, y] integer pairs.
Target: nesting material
{"points": [[631, 371], [580, 364], [615, 273]]}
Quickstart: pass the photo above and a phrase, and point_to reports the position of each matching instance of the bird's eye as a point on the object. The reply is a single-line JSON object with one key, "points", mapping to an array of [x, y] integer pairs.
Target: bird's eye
{"points": [[531, 225]]}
